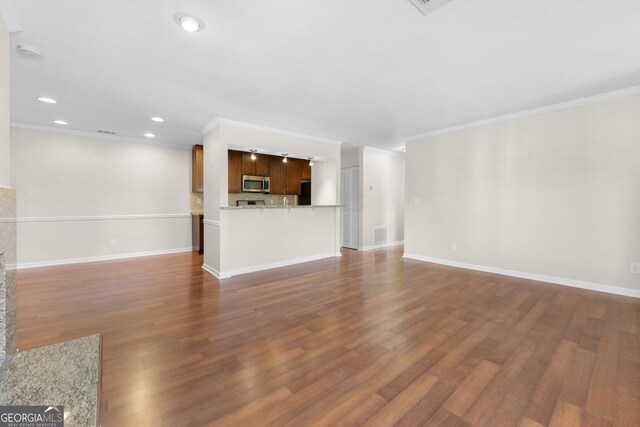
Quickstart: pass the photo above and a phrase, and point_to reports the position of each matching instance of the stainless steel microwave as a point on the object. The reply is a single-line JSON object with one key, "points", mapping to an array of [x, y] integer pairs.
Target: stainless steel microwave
{"points": [[255, 184]]}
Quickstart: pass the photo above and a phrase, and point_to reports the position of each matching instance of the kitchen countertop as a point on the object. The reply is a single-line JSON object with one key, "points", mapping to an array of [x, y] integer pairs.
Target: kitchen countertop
{"points": [[231, 208], [67, 373]]}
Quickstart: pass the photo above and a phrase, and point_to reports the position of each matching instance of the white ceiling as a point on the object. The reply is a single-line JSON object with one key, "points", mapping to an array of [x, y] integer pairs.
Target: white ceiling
{"points": [[364, 72]]}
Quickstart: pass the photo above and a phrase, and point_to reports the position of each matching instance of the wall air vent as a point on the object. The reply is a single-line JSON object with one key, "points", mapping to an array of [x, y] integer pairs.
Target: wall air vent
{"points": [[106, 132], [380, 234], [428, 6]]}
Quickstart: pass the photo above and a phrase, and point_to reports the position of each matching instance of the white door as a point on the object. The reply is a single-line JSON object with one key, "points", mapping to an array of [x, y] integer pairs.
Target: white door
{"points": [[350, 190]]}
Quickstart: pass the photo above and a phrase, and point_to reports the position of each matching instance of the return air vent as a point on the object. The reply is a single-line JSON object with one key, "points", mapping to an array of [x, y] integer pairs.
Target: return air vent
{"points": [[106, 132], [428, 6], [379, 235]]}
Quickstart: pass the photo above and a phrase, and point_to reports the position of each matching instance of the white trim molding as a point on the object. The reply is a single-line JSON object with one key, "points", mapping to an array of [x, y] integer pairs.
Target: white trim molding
{"points": [[394, 152], [634, 90], [381, 246], [49, 263], [214, 272], [210, 126], [8, 14], [211, 222], [41, 128], [91, 218], [219, 121], [531, 276], [268, 266]]}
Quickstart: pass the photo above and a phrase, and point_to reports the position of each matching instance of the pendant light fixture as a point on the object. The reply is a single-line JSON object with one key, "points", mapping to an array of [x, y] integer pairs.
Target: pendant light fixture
{"points": [[284, 157], [310, 161], [253, 154]]}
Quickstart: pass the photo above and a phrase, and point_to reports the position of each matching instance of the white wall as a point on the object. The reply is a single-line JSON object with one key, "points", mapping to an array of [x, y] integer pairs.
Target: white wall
{"points": [[554, 194], [257, 239], [5, 105], [382, 196], [381, 193], [63, 180], [226, 134], [216, 193]]}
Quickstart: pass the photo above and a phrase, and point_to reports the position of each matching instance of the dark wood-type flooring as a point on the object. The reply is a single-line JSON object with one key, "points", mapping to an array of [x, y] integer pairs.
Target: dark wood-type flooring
{"points": [[368, 339]]}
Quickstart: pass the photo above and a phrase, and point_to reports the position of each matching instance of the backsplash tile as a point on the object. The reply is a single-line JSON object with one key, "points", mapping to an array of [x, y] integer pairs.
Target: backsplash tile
{"points": [[269, 199]]}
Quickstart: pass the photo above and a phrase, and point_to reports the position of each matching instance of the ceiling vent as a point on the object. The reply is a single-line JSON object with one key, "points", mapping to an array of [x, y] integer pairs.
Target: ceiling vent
{"points": [[428, 6], [106, 132]]}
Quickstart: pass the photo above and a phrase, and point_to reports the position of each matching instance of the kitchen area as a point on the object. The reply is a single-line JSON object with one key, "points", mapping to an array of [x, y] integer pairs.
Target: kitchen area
{"points": [[269, 198]]}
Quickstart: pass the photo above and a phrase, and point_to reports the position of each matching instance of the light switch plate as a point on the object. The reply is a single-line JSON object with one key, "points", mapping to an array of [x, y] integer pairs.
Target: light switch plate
{"points": [[634, 268]]}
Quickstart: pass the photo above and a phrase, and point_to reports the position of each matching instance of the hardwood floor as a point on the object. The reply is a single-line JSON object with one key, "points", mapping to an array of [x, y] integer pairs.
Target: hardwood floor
{"points": [[366, 339]]}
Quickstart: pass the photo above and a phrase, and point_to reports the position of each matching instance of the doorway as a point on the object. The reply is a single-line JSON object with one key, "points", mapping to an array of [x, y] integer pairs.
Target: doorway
{"points": [[350, 209]]}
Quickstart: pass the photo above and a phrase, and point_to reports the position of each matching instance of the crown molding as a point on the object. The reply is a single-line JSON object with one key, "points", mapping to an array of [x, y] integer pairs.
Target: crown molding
{"points": [[210, 126], [393, 153], [40, 128], [634, 90], [8, 14], [219, 120]]}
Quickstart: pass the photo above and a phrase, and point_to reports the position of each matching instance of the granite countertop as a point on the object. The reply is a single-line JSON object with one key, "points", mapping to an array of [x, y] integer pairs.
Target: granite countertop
{"points": [[197, 213], [230, 208], [66, 373]]}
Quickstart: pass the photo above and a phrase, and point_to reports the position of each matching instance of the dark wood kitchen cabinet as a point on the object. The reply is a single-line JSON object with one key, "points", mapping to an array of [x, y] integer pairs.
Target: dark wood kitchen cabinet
{"points": [[235, 171], [197, 233], [306, 170], [197, 169], [294, 176], [257, 167], [277, 175]]}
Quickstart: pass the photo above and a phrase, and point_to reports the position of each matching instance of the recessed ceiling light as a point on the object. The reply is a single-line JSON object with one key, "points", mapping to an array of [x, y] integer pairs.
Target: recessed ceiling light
{"points": [[189, 23], [47, 100], [149, 135], [60, 122], [157, 119]]}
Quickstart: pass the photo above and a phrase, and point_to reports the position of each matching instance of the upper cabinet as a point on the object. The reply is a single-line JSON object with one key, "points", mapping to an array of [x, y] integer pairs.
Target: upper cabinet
{"points": [[257, 167], [277, 175], [285, 178], [197, 169], [235, 171], [306, 171], [294, 176]]}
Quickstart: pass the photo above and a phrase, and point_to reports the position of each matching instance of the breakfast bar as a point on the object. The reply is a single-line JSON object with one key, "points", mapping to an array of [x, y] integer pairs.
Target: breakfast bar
{"points": [[259, 238]]}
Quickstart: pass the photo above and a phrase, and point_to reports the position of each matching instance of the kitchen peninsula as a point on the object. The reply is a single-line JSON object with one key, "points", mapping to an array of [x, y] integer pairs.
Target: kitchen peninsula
{"points": [[253, 195]]}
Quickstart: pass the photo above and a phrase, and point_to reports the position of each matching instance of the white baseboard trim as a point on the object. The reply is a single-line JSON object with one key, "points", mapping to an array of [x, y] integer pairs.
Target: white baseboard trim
{"points": [[381, 246], [50, 263], [269, 266], [531, 276], [214, 272]]}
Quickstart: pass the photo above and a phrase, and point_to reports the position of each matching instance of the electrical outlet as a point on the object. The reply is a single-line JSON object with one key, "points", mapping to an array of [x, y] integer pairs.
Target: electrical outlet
{"points": [[454, 246], [198, 200], [112, 242], [634, 268]]}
